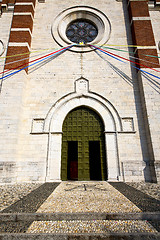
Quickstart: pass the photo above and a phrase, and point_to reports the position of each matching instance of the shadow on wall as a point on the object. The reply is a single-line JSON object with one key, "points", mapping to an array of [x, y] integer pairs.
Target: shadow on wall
{"points": [[145, 138]]}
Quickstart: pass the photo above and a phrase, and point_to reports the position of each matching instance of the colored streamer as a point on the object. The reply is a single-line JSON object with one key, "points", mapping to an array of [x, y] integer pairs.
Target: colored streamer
{"points": [[126, 59], [103, 51], [36, 59], [44, 58], [117, 49]]}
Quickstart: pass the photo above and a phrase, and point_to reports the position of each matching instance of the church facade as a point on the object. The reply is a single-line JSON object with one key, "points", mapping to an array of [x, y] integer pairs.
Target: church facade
{"points": [[80, 90]]}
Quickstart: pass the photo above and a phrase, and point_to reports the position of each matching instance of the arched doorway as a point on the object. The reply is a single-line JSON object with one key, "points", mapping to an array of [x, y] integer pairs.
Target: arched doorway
{"points": [[83, 146]]}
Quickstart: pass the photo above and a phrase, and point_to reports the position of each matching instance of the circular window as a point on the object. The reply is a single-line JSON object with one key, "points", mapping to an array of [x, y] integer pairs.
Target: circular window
{"points": [[81, 31], [81, 24]]}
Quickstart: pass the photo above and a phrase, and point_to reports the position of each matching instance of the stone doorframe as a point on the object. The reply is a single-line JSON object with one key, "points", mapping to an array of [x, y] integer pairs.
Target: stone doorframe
{"points": [[54, 121]]}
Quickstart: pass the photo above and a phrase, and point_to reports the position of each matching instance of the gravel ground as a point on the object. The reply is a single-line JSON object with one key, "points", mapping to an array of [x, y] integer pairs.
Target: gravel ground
{"points": [[87, 197], [25, 197], [152, 189], [29, 197], [10, 194], [96, 226], [141, 198]]}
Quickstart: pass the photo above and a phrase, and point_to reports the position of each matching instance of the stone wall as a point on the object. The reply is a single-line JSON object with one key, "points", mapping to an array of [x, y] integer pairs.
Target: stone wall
{"points": [[28, 152]]}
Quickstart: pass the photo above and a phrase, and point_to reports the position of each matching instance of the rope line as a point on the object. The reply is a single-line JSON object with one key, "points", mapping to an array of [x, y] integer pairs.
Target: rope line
{"points": [[39, 60], [132, 56], [20, 60], [21, 54], [117, 49], [134, 46], [35, 60], [103, 51], [126, 59], [95, 45], [50, 55]]}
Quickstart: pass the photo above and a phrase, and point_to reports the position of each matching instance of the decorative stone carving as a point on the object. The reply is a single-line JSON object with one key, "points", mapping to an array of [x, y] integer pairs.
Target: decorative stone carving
{"points": [[81, 85]]}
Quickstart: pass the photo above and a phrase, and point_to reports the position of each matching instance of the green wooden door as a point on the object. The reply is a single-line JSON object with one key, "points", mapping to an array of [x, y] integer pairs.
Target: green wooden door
{"points": [[84, 127]]}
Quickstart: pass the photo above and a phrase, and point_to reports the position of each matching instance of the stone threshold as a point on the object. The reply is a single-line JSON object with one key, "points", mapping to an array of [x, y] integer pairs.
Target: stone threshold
{"points": [[81, 236], [27, 217]]}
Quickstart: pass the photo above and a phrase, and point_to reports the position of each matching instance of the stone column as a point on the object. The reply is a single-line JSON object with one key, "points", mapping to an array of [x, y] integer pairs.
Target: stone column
{"points": [[53, 166], [112, 156]]}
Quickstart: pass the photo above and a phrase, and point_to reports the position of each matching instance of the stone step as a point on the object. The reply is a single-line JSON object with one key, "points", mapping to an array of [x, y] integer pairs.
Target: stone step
{"points": [[17, 217], [106, 236]]}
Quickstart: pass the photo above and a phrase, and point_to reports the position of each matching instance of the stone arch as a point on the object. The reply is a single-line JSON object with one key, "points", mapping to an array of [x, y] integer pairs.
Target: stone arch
{"points": [[57, 114], [54, 122]]}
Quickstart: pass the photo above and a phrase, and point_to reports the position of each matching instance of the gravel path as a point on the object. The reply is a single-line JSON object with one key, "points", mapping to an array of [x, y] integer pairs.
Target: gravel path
{"points": [[29, 197], [96, 226], [87, 197], [141, 198], [10, 194], [26, 197]]}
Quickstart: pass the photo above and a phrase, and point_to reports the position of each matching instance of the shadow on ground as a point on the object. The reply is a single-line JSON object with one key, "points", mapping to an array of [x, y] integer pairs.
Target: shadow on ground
{"points": [[143, 201], [28, 204]]}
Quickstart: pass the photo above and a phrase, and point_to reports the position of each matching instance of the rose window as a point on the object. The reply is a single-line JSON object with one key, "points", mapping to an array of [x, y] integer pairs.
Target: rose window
{"points": [[81, 31]]}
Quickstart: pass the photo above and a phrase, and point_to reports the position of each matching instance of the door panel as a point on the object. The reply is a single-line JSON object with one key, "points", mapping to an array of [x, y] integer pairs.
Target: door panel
{"points": [[72, 160], [83, 125], [95, 160]]}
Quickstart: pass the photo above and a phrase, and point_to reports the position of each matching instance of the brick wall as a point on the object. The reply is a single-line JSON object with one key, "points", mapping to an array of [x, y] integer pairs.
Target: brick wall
{"points": [[21, 31]]}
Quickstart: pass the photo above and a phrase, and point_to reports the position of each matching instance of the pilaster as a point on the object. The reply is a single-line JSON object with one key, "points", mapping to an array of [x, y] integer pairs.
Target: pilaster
{"points": [[145, 46], [20, 34]]}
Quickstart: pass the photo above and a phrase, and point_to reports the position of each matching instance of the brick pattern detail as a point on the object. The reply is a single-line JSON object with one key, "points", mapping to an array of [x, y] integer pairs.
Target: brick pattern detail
{"points": [[15, 51], [20, 36], [8, 1], [28, 1], [141, 29], [22, 9], [137, 1], [21, 21], [138, 9], [152, 61]]}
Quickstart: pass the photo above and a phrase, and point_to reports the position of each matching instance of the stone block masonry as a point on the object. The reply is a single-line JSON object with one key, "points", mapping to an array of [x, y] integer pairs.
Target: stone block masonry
{"points": [[34, 103]]}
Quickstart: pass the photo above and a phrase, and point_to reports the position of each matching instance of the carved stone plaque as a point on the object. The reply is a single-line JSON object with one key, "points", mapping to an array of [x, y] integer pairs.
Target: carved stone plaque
{"points": [[37, 125], [128, 124], [81, 85]]}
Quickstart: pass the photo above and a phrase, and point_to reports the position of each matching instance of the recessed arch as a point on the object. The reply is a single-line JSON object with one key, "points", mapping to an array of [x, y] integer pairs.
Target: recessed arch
{"points": [[54, 122], [55, 117]]}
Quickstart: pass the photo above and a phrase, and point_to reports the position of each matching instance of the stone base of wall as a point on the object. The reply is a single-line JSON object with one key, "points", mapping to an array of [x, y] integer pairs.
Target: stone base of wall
{"points": [[11, 172], [157, 169], [135, 171], [7, 172]]}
